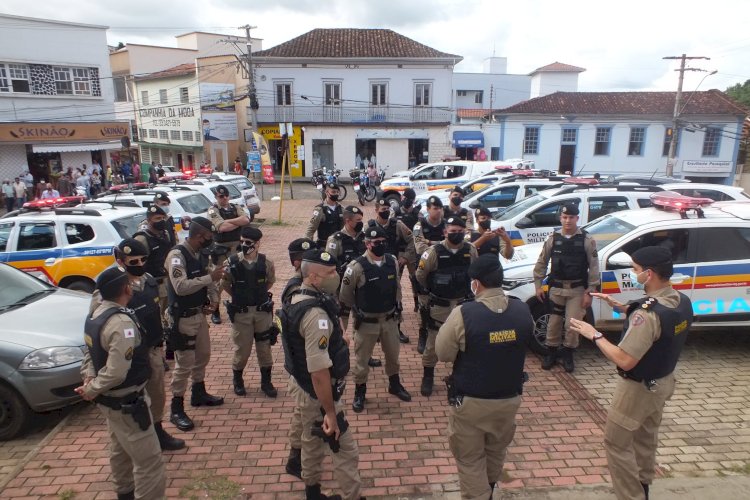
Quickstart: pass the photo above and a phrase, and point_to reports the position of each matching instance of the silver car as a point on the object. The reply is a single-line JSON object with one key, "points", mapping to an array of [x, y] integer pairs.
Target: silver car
{"points": [[41, 348]]}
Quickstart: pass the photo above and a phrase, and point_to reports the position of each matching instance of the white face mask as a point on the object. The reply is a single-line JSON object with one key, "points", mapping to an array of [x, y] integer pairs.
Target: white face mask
{"points": [[166, 209]]}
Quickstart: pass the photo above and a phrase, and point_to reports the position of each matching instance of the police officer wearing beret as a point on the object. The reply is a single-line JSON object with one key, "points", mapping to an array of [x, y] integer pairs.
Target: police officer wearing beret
{"points": [[327, 217], [371, 288], [317, 358], [162, 201], [156, 239], [296, 249], [652, 339], [228, 220], [454, 208], [488, 241], [248, 278], [443, 271], [192, 294], [407, 212], [346, 245], [119, 354], [574, 275], [486, 341]]}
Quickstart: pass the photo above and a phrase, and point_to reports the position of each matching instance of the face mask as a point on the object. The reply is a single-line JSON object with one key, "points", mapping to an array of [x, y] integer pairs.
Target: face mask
{"points": [[407, 203], [330, 285], [165, 208], [455, 238], [634, 280], [247, 247], [135, 270], [457, 200], [161, 225], [378, 249], [384, 214], [206, 243], [473, 288], [485, 224], [333, 197], [359, 226]]}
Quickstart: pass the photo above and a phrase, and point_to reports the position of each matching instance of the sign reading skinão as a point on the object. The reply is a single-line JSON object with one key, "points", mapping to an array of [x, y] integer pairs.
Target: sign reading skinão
{"points": [[63, 132]]}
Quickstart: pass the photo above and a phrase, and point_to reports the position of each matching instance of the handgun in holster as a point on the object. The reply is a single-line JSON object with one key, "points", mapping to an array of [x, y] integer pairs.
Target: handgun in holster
{"points": [[231, 311], [266, 306], [138, 409], [333, 443], [271, 335], [450, 385], [358, 317]]}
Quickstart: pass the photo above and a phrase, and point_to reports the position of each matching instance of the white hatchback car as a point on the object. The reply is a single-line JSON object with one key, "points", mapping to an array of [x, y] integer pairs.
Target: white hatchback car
{"points": [[246, 187]]}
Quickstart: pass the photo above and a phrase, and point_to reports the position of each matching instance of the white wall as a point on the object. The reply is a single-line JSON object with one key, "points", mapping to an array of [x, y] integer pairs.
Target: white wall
{"points": [[75, 159], [145, 59], [170, 123], [507, 89], [546, 83]]}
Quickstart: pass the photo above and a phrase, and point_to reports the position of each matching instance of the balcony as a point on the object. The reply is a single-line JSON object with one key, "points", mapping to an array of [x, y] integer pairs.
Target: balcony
{"points": [[353, 114]]}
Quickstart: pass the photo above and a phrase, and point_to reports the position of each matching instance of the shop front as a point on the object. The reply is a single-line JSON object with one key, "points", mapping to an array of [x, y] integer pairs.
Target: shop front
{"points": [[276, 148]]}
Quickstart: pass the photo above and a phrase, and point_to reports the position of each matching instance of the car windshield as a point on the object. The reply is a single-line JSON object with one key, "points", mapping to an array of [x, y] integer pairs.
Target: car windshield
{"points": [[127, 226], [194, 204], [241, 182], [233, 191], [19, 287], [607, 229], [519, 207]]}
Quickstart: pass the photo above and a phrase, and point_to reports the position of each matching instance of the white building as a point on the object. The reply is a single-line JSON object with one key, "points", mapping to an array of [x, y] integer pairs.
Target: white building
{"points": [[357, 96], [56, 103], [625, 132]]}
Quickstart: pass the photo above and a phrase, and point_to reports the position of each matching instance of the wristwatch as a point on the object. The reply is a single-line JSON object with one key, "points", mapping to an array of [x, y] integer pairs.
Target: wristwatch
{"points": [[597, 336]]}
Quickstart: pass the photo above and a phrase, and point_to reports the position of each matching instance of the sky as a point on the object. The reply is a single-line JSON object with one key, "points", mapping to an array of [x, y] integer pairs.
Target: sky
{"points": [[621, 44]]}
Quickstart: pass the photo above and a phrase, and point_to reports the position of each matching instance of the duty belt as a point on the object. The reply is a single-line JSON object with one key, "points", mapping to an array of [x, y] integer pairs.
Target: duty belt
{"points": [[388, 316], [438, 301], [187, 313], [566, 284], [649, 383], [115, 403]]}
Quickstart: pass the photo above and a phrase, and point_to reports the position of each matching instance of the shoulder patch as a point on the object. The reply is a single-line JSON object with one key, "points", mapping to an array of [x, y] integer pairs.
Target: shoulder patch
{"points": [[638, 319], [129, 333], [348, 271], [426, 254], [417, 226], [323, 324], [323, 343], [129, 354], [346, 281], [211, 211], [176, 261], [332, 246], [177, 273], [316, 213]]}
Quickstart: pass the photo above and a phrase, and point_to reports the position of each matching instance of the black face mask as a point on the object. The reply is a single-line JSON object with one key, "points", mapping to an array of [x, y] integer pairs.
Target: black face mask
{"points": [[333, 197], [457, 200], [136, 270], [378, 248], [161, 225], [206, 243], [359, 226], [247, 247], [384, 214], [455, 238], [485, 224], [407, 203]]}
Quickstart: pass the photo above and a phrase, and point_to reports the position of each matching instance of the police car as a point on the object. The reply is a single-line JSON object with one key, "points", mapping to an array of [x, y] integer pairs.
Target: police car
{"points": [[710, 245], [66, 246], [208, 188], [246, 187]]}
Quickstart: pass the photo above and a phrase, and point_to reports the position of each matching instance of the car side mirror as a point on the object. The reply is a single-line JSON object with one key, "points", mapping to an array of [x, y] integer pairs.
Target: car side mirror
{"points": [[524, 223], [620, 260], [474, 204]]}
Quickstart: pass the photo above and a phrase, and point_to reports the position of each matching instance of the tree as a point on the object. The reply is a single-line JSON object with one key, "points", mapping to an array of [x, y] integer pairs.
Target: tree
{"points": [[740, 93]]}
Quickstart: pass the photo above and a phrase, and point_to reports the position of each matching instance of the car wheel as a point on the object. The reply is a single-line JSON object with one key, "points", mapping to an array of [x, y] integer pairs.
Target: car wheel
{"points": [[393, 199], [14, 413], [541, 315], [81, 286]]}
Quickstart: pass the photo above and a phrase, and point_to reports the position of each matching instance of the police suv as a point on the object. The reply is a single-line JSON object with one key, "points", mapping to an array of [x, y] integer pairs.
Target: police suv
{"points": [[710, 245]]}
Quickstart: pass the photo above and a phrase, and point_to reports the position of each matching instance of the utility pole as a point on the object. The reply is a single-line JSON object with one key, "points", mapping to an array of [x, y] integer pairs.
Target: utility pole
{"points": [[676, 114], [251, 79]]}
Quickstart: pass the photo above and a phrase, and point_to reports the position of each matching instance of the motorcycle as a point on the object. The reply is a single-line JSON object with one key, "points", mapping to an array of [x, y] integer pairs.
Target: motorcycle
{"points": [[332, 177]]}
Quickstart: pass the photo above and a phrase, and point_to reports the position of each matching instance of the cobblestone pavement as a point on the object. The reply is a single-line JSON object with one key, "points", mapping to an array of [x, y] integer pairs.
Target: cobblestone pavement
{"points": [[238, 450]]}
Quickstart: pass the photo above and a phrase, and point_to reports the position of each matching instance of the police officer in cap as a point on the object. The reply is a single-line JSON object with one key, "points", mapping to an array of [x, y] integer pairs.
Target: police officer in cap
{"points": [[443, 272], [653, 336], [574, 275], [371, 288], [486, 240], [192, 294], [248, 279], [407, 212], [162, 201], [327, 217], [454, 208], [486, 341], [156, 239], [296, 249], [120, 358], [317, 358], [228, 220]]}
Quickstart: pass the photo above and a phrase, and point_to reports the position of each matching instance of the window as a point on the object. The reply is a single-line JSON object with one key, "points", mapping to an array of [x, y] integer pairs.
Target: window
{"points": [[722, 243], [549, 215], [494, 154], [152, 133], [187, 135], [163, 134], [36, 237], [163, 96], [121, 92], [423, 94], [603, 206], [531, 141], [714, 194], [461, 93], [5, 230], [81, 81], [601, 141], [63, 80], [674, 240], [143, 133], [194, 204], [569, 135], [333, 94], [78, 233], [501, 197], [184, 95], [127, 226], [18, 74], [4, 82], [711, 142], [378, 94], [668, 140], [283, 94], [174, 135], [144, 97], [479, 97], [637, 138]]}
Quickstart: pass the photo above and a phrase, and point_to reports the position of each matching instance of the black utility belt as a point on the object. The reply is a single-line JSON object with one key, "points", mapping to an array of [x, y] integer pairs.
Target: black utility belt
{"points": [[116, 403], [509, 395], [649, 383], [438, 301], [388, 316], [562, 284], [187, 313], [242, 309]]}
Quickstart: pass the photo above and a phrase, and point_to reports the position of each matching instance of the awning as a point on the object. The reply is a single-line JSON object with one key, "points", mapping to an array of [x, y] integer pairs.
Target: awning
{"points": [[82, 146], [468, 139]]}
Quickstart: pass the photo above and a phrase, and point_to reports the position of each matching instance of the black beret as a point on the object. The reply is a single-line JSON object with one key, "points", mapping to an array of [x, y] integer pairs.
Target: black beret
{"points": [[483, 211], [222, 189], [410, 193], [155, 210], [571, 209], [318, 256], [130, 246], [301, 245], [251, 233], [373, 232], [203, 222], [383, 202], [455, 221], [110, 281], [457, 189], [652, 256], [161, 197], [487, 269], [352, 210], [434, 201]]}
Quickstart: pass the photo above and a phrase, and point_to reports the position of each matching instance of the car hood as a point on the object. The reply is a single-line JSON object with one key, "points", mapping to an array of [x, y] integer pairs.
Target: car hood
{"points": [[401, 173], [56, 319], [521, 265]]}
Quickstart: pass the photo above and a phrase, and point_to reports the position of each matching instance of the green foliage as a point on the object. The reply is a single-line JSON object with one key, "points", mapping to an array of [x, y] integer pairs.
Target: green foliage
{"points": [[66, 494], [214, 487], [740, 93]]}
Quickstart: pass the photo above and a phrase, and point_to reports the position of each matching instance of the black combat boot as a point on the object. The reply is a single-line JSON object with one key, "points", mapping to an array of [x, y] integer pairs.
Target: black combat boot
{"points": [[359, 398], [428, 379], [178, 416], [216, 317], [130, 495], [402, 336], [645, 489], [200, 397], [422, 342], [567, 359], [167, 442], [374, 362], [313, 493], [239, 384], [395, 388], [265, 382], [294, 463], [550, 358]]}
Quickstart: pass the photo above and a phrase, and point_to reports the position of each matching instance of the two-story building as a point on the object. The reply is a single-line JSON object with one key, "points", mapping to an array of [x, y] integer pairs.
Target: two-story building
{"points": [[56, 103], [357, 96]]}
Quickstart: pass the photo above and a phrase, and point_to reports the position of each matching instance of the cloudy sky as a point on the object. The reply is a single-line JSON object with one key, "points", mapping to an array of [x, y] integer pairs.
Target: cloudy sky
{"points": [[621, 44]]}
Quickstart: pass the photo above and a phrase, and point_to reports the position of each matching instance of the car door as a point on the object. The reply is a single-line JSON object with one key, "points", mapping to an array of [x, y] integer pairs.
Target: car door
{"points": [[497, 198], [599, 206], [540, 222], [38, 251], [6, 235]]}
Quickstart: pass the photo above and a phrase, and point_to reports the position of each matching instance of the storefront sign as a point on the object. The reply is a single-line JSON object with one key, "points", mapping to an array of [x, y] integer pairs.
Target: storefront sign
{"points": [[707, 166], [63, 132], [272, 133]]}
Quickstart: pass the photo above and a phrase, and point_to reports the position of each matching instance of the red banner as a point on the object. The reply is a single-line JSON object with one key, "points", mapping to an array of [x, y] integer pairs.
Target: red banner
{"points": [[268, 174]]}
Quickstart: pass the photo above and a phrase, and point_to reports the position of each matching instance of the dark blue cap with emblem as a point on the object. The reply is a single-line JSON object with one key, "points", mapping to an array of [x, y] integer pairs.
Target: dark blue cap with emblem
{"points": [[251, 233], [373, 232], [434, 201], [569, 210], [301, 245], [455, 221], [132, 247], [155, 210], [317, 256], [222, 190]]}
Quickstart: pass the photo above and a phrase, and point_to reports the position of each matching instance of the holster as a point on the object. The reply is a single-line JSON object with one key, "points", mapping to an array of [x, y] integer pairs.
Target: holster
{"points": [[138, 409], [418, 289], [266, 306], [333, 443], [358, 317], [450, 385], [231, 311], [176, 340], [271, 335]]}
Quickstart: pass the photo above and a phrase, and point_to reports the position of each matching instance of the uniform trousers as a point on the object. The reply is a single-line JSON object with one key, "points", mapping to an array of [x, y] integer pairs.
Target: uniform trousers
{"points": [[244, 328], [438, 314], [295, 425], [192, 363], [566, 304], [163, 301], [631, 434], [365, 338], [155, 383], [314, 449]]}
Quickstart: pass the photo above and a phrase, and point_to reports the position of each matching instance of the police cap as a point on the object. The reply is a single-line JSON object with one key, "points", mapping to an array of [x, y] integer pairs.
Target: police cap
{"points": [[222, 190], [161, 196], [434, 201], [410, 193], [317, 256], [487, 269], [383, 202], [131, 247], [111, 281], [571, 209], [251, 233], [455, 221], [373, 232], [483, 211], [301, 245], [652, 256], [332, 185], [202, 222], [352, 210], [155, 210], [457, 189]]}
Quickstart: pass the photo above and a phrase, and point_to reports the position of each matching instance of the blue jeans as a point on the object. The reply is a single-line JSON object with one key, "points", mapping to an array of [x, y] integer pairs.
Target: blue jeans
{"points": [[20, 201]]}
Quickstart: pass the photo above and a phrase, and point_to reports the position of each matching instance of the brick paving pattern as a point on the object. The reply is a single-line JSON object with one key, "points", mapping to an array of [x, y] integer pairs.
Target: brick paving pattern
{"points": [[403, 451]]}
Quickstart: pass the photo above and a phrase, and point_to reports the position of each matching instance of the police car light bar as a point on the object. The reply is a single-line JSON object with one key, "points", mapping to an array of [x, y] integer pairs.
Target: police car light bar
{"points": [[672, 200], [135, 185], [582, 181], [54, 202]]}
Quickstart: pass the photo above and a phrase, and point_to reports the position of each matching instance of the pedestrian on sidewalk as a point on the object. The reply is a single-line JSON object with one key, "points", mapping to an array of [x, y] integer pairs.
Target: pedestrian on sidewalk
{"points": [[8, 196]]}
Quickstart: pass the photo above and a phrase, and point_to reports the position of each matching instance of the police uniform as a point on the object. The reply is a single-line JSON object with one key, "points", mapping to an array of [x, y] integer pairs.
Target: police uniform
{"points": [[494, 244], [345, 247], [171, 225], [120, 359], [464, 213], [575, 272], [371, 288], [399, 237], [190, 288], [313, 341], [251, 313], [158, 244], [443, 273], [486, 340], [325, 221], [407, 212]]}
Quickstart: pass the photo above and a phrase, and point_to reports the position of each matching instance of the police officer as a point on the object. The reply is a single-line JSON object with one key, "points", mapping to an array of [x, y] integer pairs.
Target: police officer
{"points": [[428, 231], [486, 341], [317, 358], [327, 217], [454, 208], [120, 358], [192, 294], [346, 245], [443, 271], [162, 201], [654, 333], [296, 249], [371, 288], [574, 274], [155, 237], [408, 213], [248, 279], [486, 240], [228, 220]]}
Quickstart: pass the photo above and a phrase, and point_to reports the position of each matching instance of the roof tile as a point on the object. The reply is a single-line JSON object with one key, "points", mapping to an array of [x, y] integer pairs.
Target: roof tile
{"points": [[558, 67]]}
